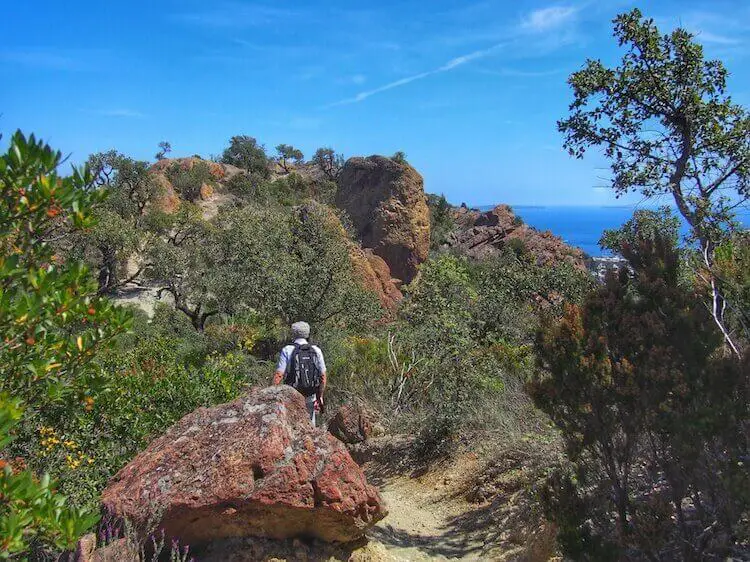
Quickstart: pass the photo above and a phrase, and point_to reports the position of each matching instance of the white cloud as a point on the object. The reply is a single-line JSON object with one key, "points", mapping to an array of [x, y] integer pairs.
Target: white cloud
{"points": [[237, 15], [47, 59], [514, 73], [708, 37], [546, 19], [450, 65], [359, 79], [118, 112]]}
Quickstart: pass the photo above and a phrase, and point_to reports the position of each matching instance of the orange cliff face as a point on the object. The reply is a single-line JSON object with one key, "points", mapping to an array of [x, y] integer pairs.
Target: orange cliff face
{"points": [[388, 207]]}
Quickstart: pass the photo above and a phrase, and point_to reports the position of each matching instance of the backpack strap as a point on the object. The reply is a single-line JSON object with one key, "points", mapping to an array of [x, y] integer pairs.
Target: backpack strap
{"points": [[290, 364]]}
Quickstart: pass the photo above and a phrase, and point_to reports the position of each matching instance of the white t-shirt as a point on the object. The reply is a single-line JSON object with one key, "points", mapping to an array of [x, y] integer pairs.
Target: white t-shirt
{"points": [[286, 355]]}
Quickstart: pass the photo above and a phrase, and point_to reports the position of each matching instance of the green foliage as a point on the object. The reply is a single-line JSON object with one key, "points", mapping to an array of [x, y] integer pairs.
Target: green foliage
{"points": [[286, 153], [189, 177], [31, 510], [664, 120], [245, 152], [329, 162], [645, 223], [51, 318], [441, 303], [124, 223], [632, 379], [442, 223], [400, 157], [251, 186], [279, 262], [53, 325]]}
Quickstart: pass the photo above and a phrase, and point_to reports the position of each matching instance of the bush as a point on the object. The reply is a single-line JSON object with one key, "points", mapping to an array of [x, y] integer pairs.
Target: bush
{"points": [[442, 224], [245, 152], [644, 400], [189, 177], [54, 325]]}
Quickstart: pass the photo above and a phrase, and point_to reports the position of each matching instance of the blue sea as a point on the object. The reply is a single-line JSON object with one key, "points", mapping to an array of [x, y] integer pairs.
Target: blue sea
{"points": [[581, 226]]}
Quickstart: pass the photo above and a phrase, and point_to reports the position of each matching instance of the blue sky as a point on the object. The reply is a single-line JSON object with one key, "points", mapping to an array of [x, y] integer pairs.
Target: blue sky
{"points": [[470, 90]]}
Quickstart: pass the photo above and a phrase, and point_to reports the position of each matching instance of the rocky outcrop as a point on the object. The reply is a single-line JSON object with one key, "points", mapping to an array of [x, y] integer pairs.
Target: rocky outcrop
{"points": [[387, 204], [252, 467], [169, 201], [481, 235], [375, 276], [352, 423], [370, 270]]}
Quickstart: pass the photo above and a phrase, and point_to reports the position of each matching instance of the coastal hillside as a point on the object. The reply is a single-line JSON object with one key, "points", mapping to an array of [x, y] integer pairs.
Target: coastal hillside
{"points": [[267, 355]]}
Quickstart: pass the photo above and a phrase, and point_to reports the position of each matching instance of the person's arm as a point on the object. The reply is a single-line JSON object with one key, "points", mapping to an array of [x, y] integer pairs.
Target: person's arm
{"points": [[278, 376], [323, 374]]}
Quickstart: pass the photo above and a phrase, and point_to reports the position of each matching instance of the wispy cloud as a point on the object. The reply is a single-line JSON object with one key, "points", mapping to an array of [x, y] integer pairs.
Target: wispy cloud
{"points": [[716, 39], [546, 19], [118, 112], [511, 72], [450, 65], [41, 59], [236, 15]]}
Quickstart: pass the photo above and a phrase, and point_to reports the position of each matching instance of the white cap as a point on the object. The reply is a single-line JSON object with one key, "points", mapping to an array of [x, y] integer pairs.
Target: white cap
{"points": [[300, 330]]}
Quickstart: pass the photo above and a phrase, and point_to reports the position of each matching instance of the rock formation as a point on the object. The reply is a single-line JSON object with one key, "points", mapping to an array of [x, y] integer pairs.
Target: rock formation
{"points": [[352, 423], [252, 467], [481, 235], [370, 270], [375, 276], [387, 204]]}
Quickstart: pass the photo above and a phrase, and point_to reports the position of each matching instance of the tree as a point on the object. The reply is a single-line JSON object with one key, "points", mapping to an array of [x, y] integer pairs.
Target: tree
{"points": [[632, 380], [329, 162], [124, 222], [442, 223], [245, 152], [53, 323], [287, 152], [645, 223], [279, 262], [181, 263], [189, 177], [164, 149], [399, 157], [664, 120]]}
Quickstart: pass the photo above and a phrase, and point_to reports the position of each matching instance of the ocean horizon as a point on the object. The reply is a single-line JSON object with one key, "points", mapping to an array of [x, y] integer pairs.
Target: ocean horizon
{"points": [[583, 225]]}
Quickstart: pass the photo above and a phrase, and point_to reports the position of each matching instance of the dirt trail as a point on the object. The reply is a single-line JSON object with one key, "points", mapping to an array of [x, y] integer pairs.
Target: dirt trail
{"points": [[419, 527], [430, 517]]}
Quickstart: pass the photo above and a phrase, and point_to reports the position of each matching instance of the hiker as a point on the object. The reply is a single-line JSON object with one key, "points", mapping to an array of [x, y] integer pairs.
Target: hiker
{"points": [[302, 367]]}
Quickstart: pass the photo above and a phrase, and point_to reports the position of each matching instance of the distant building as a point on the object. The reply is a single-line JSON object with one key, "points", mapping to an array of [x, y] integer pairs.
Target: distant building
{"points": [[603, 265]]}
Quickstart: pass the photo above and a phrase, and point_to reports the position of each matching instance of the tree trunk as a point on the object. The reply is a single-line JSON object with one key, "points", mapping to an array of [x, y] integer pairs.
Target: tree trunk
{"points": [[107, 278]]}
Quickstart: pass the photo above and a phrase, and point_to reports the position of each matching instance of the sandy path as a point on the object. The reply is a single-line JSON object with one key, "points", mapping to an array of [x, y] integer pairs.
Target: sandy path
{"points": [[426, 520]]}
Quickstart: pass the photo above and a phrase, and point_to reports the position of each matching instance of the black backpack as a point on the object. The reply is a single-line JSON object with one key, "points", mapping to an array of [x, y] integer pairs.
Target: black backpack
{"points": [[302, 372]]}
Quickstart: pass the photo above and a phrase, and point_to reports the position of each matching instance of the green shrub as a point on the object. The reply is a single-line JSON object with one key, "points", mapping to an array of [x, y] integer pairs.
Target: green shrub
{"points": [[245, 152], [188, 177]]}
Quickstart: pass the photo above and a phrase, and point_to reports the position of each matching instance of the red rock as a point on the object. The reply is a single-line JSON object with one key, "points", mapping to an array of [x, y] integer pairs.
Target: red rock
{"points": [[387, 204], [352, 423], [375, 276], [252, 467], [484, 235]]}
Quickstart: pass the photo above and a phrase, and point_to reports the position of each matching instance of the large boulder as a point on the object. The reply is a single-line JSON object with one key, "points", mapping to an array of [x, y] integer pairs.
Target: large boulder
{"points": [[386, 202], [352, 423], [252, 467]]}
